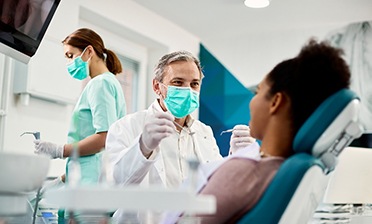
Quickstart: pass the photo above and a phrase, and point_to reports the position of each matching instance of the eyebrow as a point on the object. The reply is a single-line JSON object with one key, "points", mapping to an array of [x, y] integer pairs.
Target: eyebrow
{"points": [[182, 79]]}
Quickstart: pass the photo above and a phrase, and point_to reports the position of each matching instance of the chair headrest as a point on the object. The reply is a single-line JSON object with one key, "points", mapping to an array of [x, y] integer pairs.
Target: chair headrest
{"points": [[330, 128]]}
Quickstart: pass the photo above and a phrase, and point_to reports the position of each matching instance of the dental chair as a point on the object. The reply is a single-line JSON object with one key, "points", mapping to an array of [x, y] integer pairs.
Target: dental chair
{"points": [[300, 183]]}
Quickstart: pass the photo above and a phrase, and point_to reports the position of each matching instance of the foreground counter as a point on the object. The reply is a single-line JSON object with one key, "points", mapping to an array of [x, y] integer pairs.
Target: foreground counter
{"points": [[131, 198]]}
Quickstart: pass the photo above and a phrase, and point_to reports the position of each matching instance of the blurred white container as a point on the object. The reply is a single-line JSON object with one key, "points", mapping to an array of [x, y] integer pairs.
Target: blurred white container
{"points": [[19, 175]]}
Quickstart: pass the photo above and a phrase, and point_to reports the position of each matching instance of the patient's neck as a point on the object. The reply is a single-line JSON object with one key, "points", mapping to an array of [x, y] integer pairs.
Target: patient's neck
{"points": [[277, 146]]}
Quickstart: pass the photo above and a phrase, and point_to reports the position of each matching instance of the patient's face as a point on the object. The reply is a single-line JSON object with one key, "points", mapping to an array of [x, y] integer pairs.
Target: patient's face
{"points": [[259, 107]]}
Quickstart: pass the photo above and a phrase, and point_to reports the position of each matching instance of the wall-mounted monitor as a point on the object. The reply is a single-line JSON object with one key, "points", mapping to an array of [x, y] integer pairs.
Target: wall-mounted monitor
{"points": [[23, 24]]}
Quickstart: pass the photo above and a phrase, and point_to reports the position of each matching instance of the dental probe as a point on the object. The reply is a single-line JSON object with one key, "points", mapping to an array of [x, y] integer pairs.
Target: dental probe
{"points": [[227, 131]]}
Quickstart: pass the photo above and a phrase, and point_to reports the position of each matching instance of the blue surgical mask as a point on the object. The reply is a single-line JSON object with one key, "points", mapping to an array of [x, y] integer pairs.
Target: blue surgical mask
{"points": [[181, 101], [78, 68]]}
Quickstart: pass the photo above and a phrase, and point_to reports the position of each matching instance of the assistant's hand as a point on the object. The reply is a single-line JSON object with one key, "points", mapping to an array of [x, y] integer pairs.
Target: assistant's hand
{"points": [[157, 127], [240, 138], [48, 148]]}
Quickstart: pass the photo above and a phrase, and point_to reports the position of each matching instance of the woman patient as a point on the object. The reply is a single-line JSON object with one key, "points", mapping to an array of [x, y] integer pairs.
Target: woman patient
{"points": [[285, 98]]}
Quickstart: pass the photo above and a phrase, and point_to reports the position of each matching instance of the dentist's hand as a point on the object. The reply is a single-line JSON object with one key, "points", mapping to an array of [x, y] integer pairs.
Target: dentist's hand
{"points": [[48, 148], [157, 127], [240, 138]]}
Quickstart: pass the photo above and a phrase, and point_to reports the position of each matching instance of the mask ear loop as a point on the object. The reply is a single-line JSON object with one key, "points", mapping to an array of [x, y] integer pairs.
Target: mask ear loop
{"points": [[84, 52], [161, 96]]}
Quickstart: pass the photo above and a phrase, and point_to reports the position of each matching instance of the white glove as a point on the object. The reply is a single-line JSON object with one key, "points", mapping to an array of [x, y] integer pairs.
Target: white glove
{"points": [[48, 148], [56, 183], [240, 138], [157, 127]]}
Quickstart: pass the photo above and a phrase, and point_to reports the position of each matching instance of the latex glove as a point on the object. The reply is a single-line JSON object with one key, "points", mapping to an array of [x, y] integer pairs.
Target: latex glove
{"points": [[48, 148], [157, 127], [240, 138]]}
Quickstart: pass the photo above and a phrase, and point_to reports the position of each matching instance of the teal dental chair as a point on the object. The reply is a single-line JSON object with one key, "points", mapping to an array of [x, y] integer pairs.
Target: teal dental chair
{"points": [[301, 180]]}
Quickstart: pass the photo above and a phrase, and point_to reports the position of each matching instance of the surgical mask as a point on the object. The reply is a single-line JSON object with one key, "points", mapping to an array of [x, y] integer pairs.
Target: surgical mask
{"points": [[78, 68], [181, 101]]}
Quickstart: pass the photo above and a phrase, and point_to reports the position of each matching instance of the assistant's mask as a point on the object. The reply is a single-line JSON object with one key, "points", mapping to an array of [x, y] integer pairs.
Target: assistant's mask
{"points": [[78, 68], [181, 101]]}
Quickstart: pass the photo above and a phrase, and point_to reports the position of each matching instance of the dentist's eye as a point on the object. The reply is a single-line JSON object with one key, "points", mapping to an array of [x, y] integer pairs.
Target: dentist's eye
{"points": [[195, 84], [177, 83]]}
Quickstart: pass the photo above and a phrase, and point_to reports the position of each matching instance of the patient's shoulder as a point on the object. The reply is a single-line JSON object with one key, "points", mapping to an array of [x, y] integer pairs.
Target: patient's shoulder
{"points": [[271, 161], [240, 162]]}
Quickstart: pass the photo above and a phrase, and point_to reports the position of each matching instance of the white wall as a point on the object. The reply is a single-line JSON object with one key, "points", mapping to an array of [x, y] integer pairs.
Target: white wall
{"points": [[251, 56]]}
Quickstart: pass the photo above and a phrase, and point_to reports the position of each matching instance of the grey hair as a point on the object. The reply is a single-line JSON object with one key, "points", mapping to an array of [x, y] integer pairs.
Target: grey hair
{"points": [[174, 57]]}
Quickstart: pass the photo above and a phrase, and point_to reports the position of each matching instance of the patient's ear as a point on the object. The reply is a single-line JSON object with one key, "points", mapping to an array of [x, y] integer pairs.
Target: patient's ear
{"points": [[278, 101]]}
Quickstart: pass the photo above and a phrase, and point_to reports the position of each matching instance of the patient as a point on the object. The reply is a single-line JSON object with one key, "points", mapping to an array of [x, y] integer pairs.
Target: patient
{"points": [[285, 98]]}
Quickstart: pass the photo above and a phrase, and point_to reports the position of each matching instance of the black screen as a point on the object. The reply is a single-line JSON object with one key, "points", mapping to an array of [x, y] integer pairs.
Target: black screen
{"points": [[23, 23]]}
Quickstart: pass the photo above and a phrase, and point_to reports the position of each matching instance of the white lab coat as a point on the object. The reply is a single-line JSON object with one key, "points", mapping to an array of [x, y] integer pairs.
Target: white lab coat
{"points": [[126, 161]]}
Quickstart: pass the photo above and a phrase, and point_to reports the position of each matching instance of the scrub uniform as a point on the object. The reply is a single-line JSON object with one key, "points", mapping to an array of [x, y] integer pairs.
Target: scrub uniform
{"points": [[100, 104]]}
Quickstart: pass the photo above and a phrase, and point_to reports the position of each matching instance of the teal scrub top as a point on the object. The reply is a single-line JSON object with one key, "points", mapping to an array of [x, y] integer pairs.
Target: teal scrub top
{"points": [[101, 103]]}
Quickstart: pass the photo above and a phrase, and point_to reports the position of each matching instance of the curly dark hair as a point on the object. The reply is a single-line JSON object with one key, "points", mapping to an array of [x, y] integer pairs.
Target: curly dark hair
{"points": [[308, 79]]}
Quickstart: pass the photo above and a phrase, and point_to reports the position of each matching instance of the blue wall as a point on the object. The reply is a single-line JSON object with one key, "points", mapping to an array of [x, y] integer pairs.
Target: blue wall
{"points": [[224, 101]]}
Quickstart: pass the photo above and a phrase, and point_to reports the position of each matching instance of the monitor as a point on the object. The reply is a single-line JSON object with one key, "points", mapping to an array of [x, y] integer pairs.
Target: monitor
{"points": [[23, 24]]}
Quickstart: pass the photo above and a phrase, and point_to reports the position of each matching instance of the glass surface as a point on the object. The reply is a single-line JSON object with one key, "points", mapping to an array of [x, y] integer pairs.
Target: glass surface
{"points": [[23, 23]]}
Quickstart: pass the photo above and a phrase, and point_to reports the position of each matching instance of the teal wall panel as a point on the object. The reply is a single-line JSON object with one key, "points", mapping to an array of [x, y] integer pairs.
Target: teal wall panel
{"points": [[224, 101]]}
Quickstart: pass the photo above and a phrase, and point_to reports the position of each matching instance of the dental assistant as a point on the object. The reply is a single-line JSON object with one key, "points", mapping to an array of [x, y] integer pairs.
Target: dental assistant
{"points": [[101, 103], [151, 147]]}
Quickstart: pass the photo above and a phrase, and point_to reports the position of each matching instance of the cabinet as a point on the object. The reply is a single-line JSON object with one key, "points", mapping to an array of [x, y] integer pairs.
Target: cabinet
{"points": [[45, 76]]}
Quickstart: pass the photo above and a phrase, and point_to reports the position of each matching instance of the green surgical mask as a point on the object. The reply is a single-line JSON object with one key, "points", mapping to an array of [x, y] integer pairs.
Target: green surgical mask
{"points": [[181, 101], [78, 68]]}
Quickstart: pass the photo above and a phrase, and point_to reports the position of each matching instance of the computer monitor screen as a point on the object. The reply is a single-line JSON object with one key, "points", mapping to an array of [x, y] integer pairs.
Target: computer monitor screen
{"points": [[23, 24]]}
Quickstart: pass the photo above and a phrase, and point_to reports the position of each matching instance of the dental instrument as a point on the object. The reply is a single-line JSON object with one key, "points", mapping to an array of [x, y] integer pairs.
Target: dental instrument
{"points": [[36, 134], [227, 131], [74, 167]]}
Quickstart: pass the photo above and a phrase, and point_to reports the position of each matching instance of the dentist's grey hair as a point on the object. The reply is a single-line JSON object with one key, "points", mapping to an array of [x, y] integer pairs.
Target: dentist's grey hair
{"points": [[167, 59]]}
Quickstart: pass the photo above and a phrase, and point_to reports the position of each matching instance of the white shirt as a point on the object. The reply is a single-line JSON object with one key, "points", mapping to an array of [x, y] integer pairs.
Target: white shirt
{"points": [[167, 165]]}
